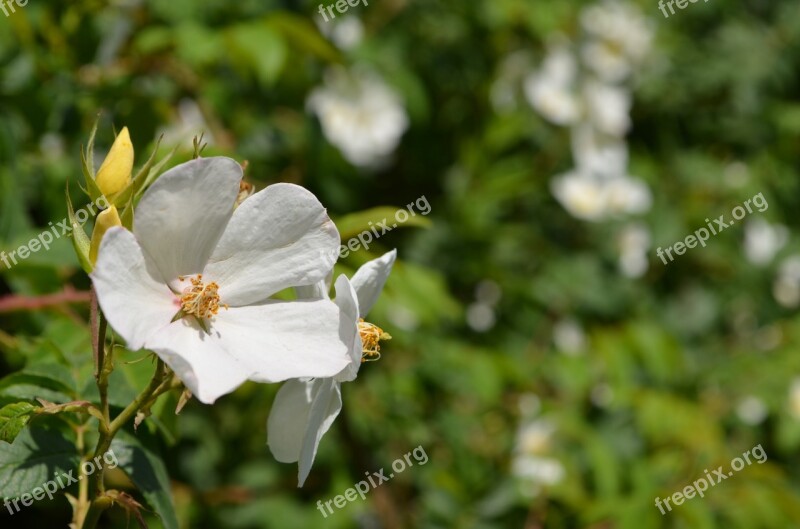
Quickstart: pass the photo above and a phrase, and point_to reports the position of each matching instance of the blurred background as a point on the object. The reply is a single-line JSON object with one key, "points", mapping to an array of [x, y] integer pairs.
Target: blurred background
{"points": [[556, 372]]}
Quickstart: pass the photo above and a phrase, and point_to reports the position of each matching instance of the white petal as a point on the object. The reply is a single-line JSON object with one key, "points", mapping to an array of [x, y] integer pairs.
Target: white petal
{"points": [[325, 407], [280, 237], [199, 360], [136, 305], [318, 290], [288, 420], [368, 281], [348, 327], [184, 213], [301, 414], [280, 340]]}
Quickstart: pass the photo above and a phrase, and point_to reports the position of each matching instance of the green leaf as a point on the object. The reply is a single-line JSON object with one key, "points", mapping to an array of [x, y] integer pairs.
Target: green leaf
{"points": [[258, 48], [38, 382], [80, 241], [36, 455], [13, 419], [351, 225], [148, 473], [303, 35]]}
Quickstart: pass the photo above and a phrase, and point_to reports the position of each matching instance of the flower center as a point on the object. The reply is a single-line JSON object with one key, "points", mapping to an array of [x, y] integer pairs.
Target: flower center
{"points": [[200, 299], [371, 336]]}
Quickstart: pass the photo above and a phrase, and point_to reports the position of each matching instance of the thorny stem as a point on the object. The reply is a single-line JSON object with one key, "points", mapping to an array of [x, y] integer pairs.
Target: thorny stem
{"points": [[87, 514]]}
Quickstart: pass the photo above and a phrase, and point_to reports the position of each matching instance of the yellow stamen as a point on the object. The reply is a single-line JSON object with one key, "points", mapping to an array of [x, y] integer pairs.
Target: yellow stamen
{"points": [[371, 336], [201, 300]]}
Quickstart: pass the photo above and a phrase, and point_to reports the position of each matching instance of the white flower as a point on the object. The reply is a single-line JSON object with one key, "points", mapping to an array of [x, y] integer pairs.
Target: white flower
{"points": [[633, 243], [569, 337], [191, 252], [619, 38], [786, 288], [345, 32], [600, 187], [304, 410], [360, 115], [581, 194], [752, 410], [600, 154], [794, 398], [552, 90], [608, 107], [763, 240], [532, 463]]}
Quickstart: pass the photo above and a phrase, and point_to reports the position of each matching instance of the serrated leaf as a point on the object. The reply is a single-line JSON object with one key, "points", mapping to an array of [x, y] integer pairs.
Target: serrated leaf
{"points": [[13, 419], [148, 473], [35, 456]]}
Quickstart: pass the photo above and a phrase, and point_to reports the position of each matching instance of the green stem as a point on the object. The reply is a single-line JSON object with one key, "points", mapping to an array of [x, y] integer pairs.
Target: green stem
{"points": [[100, 504]]}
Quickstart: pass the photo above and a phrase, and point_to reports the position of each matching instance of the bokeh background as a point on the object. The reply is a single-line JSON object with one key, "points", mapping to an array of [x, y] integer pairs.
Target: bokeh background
{"points": [[555, 371]]}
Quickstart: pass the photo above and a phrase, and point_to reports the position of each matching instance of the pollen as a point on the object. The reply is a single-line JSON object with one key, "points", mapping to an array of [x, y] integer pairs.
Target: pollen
{"points": [[201, 299], [371, 336]]}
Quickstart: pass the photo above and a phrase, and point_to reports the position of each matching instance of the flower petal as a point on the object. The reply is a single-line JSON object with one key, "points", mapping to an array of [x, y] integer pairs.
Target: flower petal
{"points": [[348, 327], [135, 304], [325, 407], [184, 213], [199, 360], [280, 237], [288, 420], [280, 340], [368, 281]]}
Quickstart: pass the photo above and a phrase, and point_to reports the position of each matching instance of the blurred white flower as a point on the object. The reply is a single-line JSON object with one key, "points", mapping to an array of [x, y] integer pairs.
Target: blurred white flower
{"points": [[569, 337], [505, 91], [786, 287], [188, 123], [532, 463], [586, 196], [752, 410], [480, 316], [345, 32], [619, 38], [600, 187], [552, 91], [582, 195], [605, 156], [360, 115], [608, 107], [763, 240], [794, 398], [633, 243], [627, 196]]}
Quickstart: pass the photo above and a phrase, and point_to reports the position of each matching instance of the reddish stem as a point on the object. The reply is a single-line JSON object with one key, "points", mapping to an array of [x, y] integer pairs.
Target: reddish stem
{"points": [[15, 303]]}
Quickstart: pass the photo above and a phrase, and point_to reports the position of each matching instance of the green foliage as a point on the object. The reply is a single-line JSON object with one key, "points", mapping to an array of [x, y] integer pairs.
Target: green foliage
{"points": [[671, 363]]}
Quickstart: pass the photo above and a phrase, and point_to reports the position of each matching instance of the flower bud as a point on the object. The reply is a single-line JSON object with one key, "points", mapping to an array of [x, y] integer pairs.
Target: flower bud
{"points": [[105, 221], [115, 173]]}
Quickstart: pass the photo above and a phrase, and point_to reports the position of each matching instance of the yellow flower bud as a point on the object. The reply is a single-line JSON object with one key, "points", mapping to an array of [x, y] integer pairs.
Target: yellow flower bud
{"points": [[105, 221], [115, 173]]}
